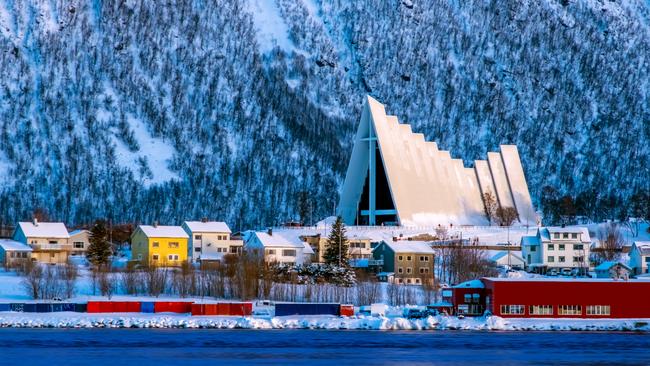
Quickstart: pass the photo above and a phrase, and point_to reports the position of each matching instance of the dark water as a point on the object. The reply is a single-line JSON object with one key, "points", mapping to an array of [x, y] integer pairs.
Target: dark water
{"points": [[118, 347]]}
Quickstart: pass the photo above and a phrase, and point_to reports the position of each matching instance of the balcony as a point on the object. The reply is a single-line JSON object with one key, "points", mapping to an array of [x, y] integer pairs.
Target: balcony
{"points": [[375, 262], [52, 247]]}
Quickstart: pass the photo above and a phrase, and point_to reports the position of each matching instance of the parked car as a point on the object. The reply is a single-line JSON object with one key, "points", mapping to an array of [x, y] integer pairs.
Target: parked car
{"points": [[552, 272], [416, 314], [566, 272]]}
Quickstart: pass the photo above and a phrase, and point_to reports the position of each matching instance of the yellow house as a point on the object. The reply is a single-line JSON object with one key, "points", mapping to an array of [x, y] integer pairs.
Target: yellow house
{"points": [[159, 245]]}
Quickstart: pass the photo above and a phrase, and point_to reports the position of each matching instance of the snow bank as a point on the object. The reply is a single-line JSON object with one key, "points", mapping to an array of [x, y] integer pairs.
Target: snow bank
{"points": [[75, 320]]}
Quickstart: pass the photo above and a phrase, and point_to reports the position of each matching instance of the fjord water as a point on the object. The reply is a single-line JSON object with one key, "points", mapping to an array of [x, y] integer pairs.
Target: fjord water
{"points": [[316, 347]]}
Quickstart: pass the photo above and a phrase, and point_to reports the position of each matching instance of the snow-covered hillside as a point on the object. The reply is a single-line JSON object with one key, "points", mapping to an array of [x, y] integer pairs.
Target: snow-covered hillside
{"points": [[238, 110]]}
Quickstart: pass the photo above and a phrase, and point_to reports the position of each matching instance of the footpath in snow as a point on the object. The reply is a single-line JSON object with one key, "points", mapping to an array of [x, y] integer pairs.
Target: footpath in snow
{"points": [[492, 323]]}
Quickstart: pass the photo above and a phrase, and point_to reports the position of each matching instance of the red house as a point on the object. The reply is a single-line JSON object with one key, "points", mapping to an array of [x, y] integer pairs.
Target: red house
{"points": [[567, 298]]}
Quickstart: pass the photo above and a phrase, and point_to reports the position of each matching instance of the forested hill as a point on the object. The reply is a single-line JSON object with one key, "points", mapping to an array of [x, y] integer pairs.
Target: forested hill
{"points": [[245, 110]]}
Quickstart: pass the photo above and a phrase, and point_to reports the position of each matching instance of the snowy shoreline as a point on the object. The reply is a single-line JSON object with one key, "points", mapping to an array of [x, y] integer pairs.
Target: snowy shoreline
{"points": [[76, 320]]}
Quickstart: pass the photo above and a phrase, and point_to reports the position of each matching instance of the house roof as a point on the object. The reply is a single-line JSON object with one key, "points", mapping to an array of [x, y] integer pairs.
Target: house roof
{"points": [[44, 230], [530, 240], [207, 227], [15, 246], [161, 231], [409, 246], [545, 232], [276, 240], [470, 284], [77, 232], [606, 266], [643, 247], [504, 254]]}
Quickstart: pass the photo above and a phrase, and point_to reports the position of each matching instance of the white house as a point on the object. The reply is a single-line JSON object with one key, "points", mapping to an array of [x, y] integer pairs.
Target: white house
{"points": [[612, 269], [210, 240], [276, 248], [557, 248], [50, 241], [640, 257], [12, 252], [80, 240], [508, 258]]}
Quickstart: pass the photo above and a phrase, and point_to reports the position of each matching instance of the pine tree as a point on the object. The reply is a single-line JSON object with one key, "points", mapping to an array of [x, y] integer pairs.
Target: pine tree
{"points": [[99, 250], [337, 245]]}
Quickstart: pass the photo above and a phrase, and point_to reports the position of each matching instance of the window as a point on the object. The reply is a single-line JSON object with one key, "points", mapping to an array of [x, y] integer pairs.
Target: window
{"points": [[271, 252], [400, 270], [574, 235], [578, 247], [551, 259], [198, 237], [424, 270], [421, 258], [172, 257], [52, 255], [408, 258], [139, 256], [197, 250], [570, 310], [647, 259], [408, 280], [565, 235], [598, 310], [551, 246], [399, 257], [13, 254], [476, 298], [556, 235], [512, 309], [173, 244], [541, 310], [467, 298], [533, 248], [155, 244], [409, 270], [78, 244], [562, 259], [426, 258], [561, 246], [289, 252], [53, 242], [417, 280], [233, 250], [578, 259], [154, 257]]}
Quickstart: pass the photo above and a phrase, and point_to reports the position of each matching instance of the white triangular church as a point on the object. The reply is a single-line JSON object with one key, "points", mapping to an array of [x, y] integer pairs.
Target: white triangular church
{"points": [[396, 177]]}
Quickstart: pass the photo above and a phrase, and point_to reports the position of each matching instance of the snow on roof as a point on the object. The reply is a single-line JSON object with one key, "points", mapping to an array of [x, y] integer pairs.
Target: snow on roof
{"points": [[161, 231], [308, 249], [77, 232], [530, 240], [16, 246], [44, 230], [276, 240], [410, 246], [470, 284], [207, 227], [643, 247], [606, 266], [503, 254]]}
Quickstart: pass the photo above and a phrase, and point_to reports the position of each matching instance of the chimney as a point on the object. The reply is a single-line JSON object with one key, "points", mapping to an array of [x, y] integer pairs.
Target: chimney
{"points": [[204, 219], [35, 221], [270, 231], [155, 224]]}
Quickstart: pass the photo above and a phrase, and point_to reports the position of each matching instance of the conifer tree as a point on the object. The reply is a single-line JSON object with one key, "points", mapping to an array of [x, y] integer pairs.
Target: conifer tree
{"points": [[99, 250], [337, 245]]}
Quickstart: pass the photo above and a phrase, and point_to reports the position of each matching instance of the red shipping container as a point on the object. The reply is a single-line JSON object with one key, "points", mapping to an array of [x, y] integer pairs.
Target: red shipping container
{"points": [[126, 306], [347, 310], [241, 308], [180, 307], [198, 309], [210, 309], [99, 307], [223, 308]]}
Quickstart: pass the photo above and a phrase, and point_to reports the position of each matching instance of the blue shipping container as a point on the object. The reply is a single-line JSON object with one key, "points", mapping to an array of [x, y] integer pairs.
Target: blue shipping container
{"points": [[80, 308], [284, 309], [16, 307], [62, 306], [43, 308], [147, 307], [30, 308], [5, 307]]}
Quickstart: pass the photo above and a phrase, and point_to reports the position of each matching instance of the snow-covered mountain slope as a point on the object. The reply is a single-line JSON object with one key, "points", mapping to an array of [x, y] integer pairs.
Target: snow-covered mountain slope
{"points": [[238, 110]]}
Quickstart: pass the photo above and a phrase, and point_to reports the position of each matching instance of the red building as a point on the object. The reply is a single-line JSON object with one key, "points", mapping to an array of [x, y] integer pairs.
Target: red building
{"points": [[567, 298]]}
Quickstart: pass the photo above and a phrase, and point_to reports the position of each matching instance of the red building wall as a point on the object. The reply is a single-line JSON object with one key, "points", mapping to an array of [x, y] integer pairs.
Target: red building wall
{"points": [[627, 299]]}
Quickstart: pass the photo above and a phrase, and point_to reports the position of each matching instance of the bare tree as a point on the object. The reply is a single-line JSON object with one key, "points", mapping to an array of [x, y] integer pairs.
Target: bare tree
{"points": [[155, 280], [106, 281], [33, 279], [506, 215], [130, 280], [490, 206], [610, 243], [69, 274]]}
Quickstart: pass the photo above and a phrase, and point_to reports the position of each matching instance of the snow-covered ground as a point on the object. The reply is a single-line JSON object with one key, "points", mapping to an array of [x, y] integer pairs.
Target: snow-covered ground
{"points": [[81, 320]]}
